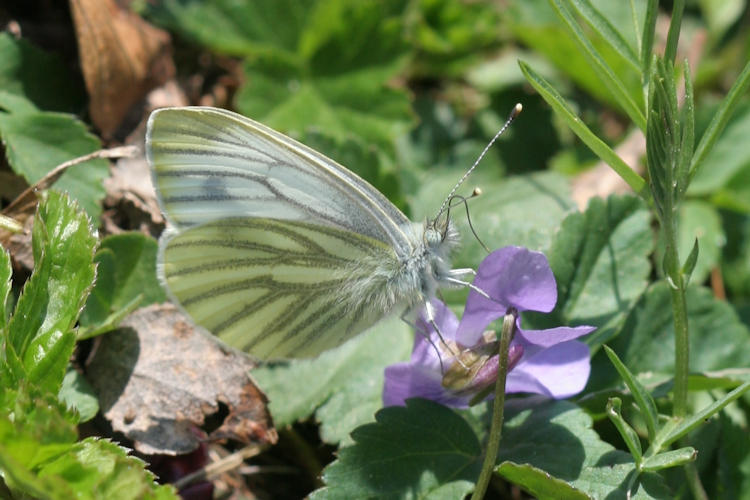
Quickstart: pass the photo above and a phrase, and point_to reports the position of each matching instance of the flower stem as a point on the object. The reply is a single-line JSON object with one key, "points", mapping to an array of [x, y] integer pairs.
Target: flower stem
{"points": [[676, 283], [493, 444]]}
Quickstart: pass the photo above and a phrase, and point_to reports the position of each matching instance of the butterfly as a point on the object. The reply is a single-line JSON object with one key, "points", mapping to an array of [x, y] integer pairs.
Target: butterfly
{"points": [[276, 249]]}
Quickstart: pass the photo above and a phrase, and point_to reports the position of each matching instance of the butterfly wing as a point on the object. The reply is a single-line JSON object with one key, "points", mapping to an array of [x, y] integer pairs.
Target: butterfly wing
{"points": [[210, 163], [273, 247], [276, 288]]}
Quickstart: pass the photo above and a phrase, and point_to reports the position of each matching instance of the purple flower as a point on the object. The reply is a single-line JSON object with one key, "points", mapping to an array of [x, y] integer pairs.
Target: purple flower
{"points": [[548, 362]]}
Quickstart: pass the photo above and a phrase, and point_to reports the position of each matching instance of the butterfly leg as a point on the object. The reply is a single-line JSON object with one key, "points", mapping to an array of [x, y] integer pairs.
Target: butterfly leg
{"points": [[453, 277], [430, 314]]}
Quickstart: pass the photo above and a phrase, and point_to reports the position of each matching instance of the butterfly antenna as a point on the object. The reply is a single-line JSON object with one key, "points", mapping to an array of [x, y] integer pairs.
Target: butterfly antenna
{"points": [[476, 192], [465, 201], [513, 114]]}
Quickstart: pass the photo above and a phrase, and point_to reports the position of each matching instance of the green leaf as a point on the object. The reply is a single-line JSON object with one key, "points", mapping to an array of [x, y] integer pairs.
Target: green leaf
{"points": [[37, 77], [628, 434], [38, 142], [237, 28], [409, 452], [691, 422], [343, 387], [557, 102], [668, 134], [523, 210], [720, 119], [126, 270], [672, 458], [328, 65], [98, 468], [539, 483], [6, 273], [729, 156], [718, 338], [675, 22], [538, 27], [642, 397], [40, 331], [39, 455], [449, 37], [599, 65], [600, 259], [78, 394], [356, 102], [557, 437], [647, 38], [689, 265], [607, 31]]}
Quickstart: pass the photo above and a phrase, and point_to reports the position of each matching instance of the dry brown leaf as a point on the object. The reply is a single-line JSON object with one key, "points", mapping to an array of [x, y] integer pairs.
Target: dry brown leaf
{"points": [[122, 58], [158, 378]]}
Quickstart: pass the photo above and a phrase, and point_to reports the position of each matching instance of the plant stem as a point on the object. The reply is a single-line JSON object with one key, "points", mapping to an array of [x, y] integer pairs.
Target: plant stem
{"points": [[679, 311], [493, 444]]}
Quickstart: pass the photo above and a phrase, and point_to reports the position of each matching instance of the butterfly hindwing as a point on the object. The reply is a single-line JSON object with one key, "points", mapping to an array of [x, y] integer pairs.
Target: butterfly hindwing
{"points": [[275, 288]]}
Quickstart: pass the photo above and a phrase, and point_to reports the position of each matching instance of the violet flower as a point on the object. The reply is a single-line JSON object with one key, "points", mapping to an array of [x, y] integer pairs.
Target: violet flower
{"points": [[548, 362]]}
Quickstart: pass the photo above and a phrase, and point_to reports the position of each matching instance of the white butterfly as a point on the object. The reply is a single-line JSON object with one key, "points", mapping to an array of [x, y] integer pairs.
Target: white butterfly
{"points": [[276, 249]]}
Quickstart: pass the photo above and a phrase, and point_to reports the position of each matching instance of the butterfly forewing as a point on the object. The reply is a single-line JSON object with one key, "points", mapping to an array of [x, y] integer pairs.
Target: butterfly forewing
{"points": [[210, 163]]}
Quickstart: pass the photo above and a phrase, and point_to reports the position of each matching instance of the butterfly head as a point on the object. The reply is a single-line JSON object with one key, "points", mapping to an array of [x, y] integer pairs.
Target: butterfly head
{"points": [[439, 236]]}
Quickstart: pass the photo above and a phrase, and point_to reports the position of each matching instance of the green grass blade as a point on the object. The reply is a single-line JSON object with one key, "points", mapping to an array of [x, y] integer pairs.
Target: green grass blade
{"points": [[554, 99], [607, 31], [720, 119], [602, 69]]}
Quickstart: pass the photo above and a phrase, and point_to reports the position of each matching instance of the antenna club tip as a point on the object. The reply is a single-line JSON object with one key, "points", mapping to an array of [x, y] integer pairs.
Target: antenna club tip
{"points": [[517, 110]]}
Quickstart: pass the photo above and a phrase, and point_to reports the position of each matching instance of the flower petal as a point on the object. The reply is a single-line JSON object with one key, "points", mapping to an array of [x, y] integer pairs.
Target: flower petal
{"points": [[559, 371], [410, 380], [513, 277], [553, 336]]}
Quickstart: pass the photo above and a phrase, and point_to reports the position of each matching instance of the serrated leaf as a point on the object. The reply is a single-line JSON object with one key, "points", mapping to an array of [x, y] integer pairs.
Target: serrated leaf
{"points": [[98, 468], [40, 331], [329, 66], [36, 143], [409, 452], [343, 387], [600, 259], [126, 269], [718, 338], [557, 437], [449, 37]]}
